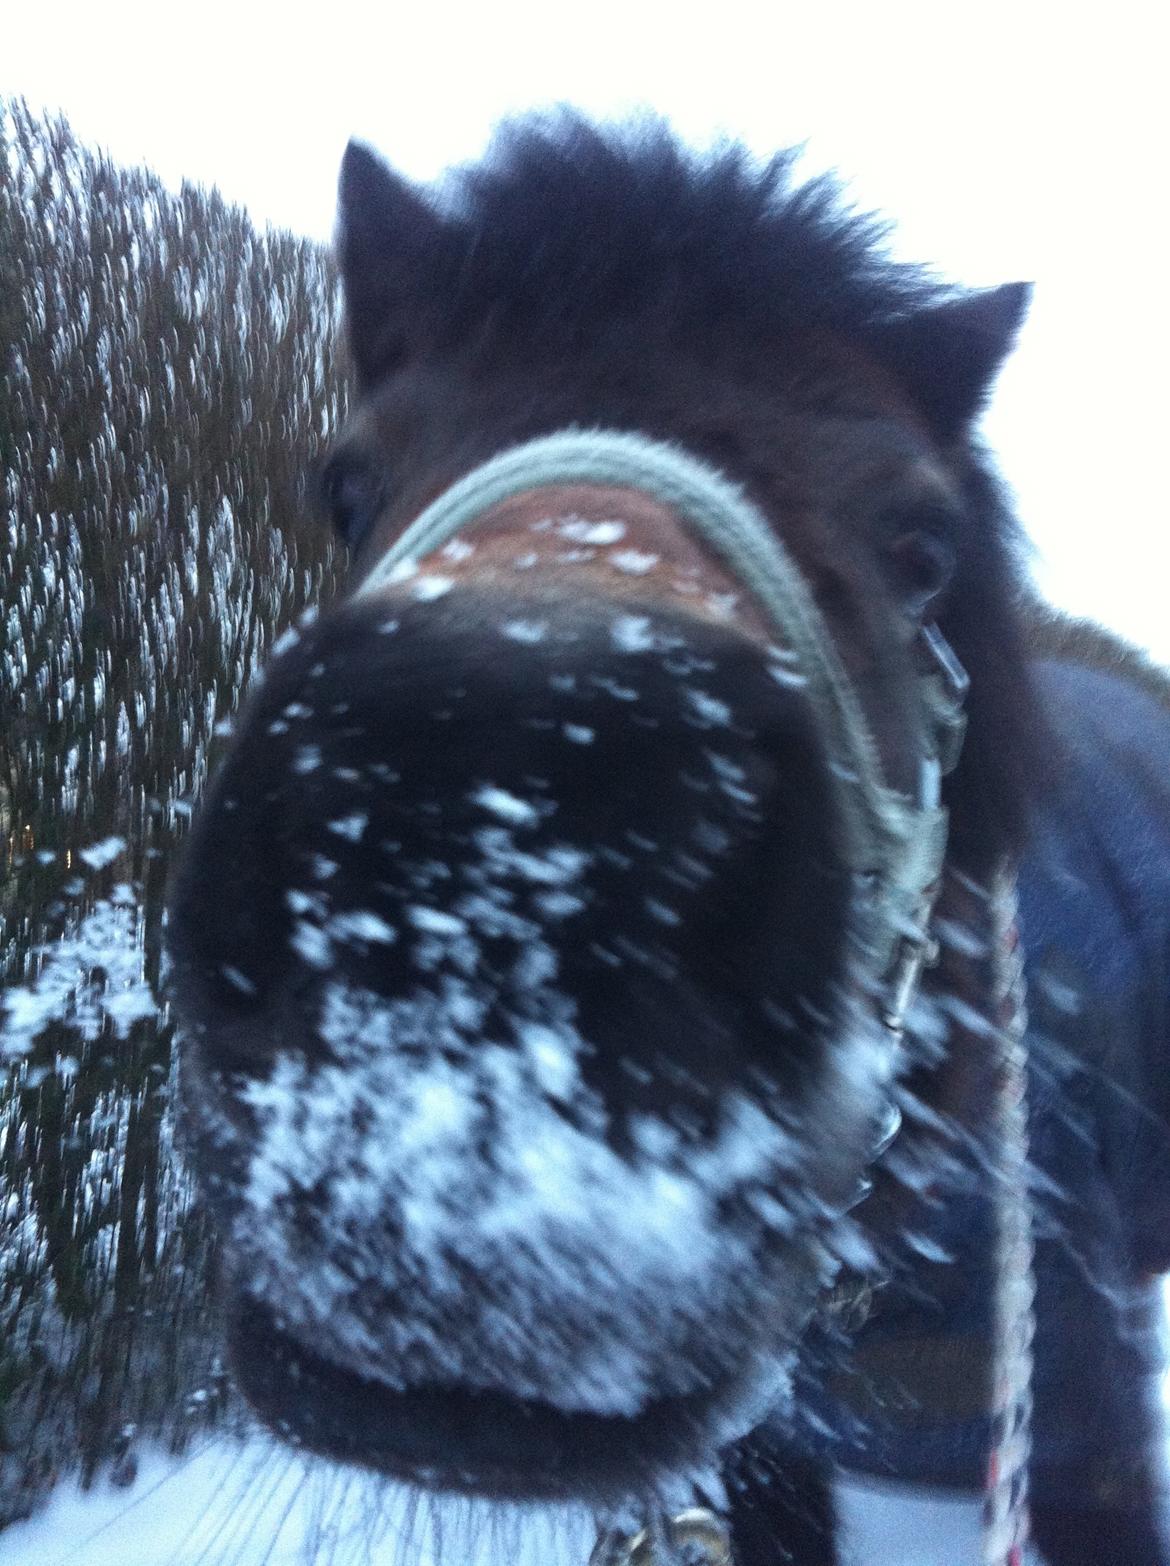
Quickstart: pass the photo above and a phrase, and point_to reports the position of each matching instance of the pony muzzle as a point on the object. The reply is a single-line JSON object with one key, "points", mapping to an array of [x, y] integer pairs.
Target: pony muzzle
{"points": [[537, 940]]}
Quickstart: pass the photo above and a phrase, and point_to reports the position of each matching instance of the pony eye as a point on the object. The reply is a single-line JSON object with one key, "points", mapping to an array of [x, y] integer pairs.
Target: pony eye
{"points": [[922, 559], [351, 496]]}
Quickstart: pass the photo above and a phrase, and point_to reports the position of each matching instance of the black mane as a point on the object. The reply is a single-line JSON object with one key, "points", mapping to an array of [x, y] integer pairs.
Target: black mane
{"points": [[574, 224]]}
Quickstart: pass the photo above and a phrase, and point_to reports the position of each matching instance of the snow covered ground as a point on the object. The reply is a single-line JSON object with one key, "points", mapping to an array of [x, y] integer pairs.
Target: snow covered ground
{"points": [[256, 1504], [253, 1505]]}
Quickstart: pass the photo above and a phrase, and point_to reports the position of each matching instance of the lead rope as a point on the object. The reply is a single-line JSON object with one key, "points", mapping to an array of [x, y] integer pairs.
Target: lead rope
{"points": [[699, 1537], [1005, 1510]]}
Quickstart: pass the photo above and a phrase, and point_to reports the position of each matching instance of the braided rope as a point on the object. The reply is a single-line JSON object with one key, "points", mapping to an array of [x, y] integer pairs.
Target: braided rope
{"points": [[1005, 1516], [900, 841]]}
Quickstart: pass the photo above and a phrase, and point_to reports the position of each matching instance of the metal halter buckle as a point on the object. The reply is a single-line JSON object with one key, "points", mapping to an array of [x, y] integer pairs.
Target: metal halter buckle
{"points": [[695, 1537], [945, 693], [915, 951]]}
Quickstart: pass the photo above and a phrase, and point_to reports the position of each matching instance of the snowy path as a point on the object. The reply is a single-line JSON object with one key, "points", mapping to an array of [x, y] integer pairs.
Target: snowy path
{"points": [[254, 1506]]}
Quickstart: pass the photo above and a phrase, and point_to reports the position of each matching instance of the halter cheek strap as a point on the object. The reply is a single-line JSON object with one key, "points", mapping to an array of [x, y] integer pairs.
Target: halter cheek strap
{"points": [[893, 846]]}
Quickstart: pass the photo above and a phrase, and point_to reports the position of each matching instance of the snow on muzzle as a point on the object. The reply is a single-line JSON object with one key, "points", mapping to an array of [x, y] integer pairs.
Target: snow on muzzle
{"points": [[521, 1058]]}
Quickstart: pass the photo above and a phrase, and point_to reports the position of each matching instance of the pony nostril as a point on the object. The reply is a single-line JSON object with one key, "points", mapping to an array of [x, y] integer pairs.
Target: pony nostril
{"points": [[396, 806], [228, 965]]}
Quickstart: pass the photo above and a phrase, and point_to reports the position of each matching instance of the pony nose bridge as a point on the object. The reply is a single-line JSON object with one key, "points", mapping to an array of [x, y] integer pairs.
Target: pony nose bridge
{"points": [[612, 541]]}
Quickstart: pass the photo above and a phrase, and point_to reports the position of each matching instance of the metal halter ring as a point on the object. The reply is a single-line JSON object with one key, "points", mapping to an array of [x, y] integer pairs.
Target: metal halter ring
{"points": [[695, 1537]]}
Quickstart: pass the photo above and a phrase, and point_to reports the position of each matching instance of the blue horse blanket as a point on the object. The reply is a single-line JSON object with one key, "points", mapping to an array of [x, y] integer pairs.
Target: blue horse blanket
{"points": [[909, 1399]]}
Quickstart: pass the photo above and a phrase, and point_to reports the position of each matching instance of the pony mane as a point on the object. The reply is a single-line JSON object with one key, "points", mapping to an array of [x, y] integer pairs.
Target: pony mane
{"points": [[576, 224], [1071, 639]]}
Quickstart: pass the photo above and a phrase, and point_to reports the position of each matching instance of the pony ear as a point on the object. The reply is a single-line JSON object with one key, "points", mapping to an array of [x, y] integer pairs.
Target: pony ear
{"points": [[391, 244], [947, 356]]}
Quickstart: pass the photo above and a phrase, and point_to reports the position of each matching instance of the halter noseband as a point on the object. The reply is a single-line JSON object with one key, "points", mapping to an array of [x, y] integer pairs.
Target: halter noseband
{"points": [[892, 846]]}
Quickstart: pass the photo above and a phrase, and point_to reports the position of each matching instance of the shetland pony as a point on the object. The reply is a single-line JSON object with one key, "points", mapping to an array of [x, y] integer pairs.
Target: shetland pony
{"points": [[542, 1061]]}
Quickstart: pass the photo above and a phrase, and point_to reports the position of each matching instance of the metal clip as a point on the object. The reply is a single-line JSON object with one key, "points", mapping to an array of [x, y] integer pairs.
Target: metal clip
{"points": [[945, 691], [695, 1537], [956, 680], [914, 953]]}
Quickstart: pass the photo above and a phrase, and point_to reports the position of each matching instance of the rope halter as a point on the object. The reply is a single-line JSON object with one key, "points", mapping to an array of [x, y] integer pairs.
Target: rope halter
{"points": [[892, 846], [893, 849]]}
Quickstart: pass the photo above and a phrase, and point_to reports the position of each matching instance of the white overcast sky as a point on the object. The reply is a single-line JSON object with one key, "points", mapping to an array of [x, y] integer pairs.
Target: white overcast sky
{"points": [[1022, 140]]}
